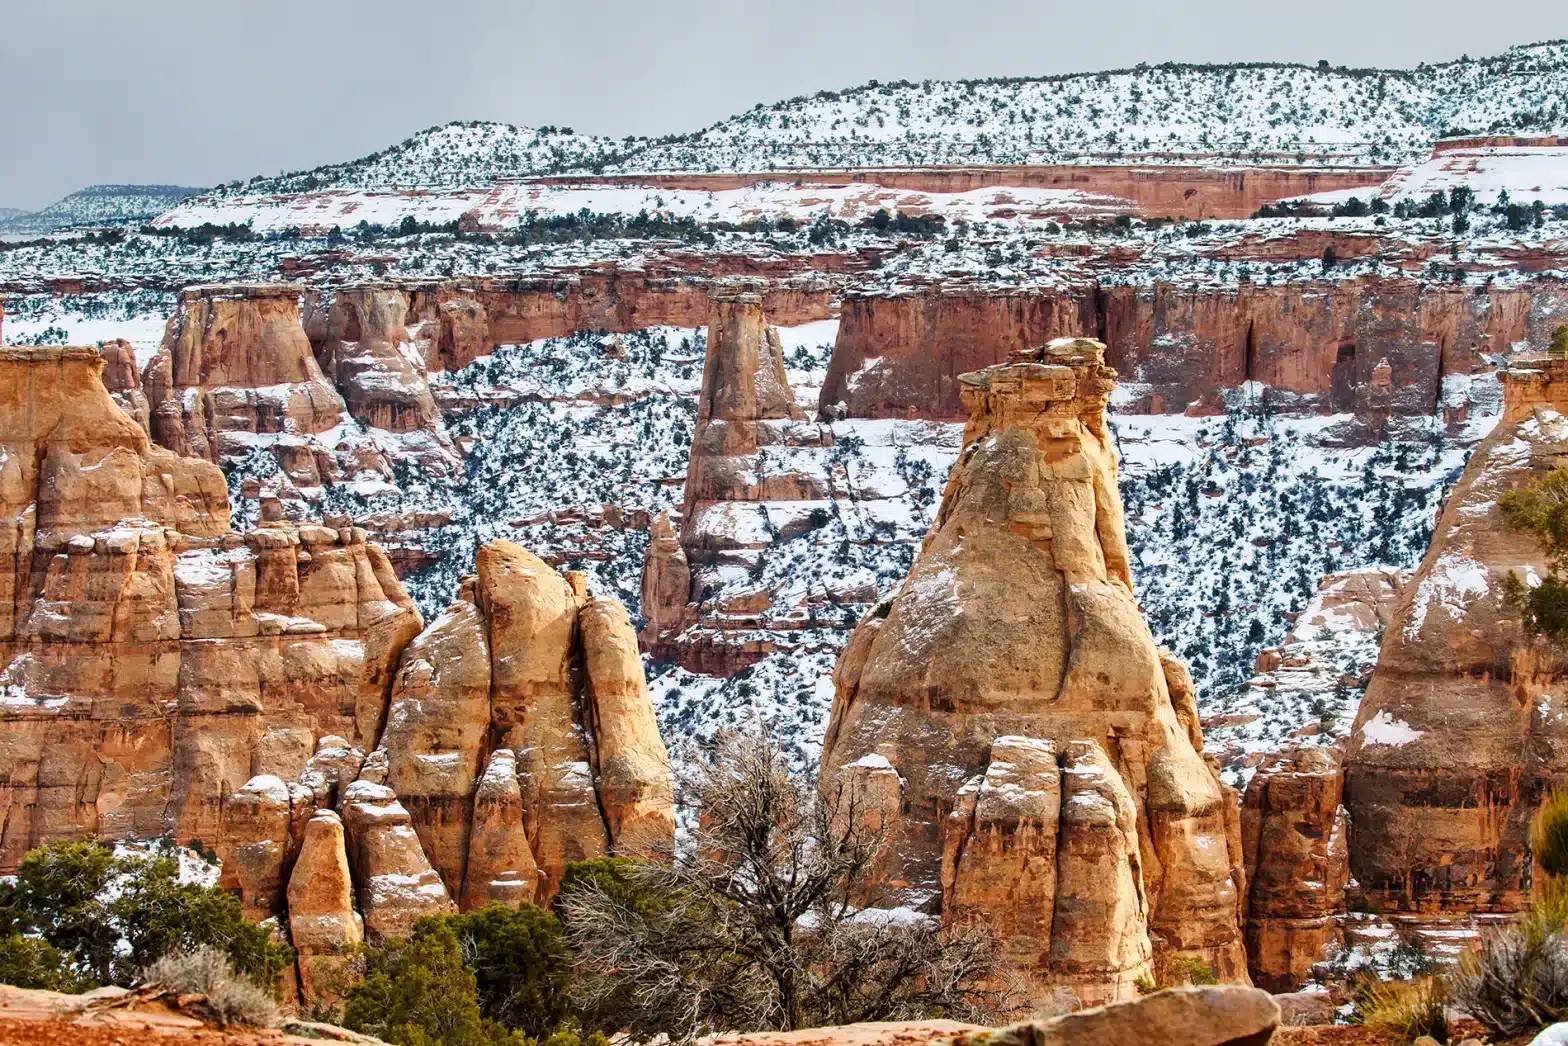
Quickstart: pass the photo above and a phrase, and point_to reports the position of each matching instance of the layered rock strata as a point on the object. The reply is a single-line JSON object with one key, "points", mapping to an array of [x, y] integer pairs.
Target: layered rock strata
{"points": [[273, 695], [234, 364], [1010, 718], [1293, 833], [752, 445], [1312, 347], [154, 659], [1459, 737]]}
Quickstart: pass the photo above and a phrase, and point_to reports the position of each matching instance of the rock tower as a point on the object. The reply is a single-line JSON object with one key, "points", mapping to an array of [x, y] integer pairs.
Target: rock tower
{"points": [[1008, 714]]}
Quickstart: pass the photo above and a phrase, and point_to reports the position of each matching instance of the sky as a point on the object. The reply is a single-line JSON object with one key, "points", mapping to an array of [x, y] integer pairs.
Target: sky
{"points": [[199, 93]]}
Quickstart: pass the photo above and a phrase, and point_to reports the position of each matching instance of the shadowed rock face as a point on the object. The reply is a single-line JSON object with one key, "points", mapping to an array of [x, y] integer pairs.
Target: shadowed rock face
{"points": [[1013, 690], [1293, 833], [1460, 733]]}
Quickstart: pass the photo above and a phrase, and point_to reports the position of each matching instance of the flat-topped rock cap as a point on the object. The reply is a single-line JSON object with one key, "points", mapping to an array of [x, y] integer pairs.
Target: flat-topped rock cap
{"points": [[242, 290], [47, 353], [1224, 1015]]}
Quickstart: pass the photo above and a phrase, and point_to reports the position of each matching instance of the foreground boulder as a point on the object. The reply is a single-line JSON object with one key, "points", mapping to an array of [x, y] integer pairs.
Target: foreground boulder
{"points": [[1227, 1015], [1459, 735], [1009, 716]]}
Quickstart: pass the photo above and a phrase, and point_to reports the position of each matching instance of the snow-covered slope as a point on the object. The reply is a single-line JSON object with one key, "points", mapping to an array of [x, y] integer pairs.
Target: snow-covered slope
{"points": [[1361, 115], [98, 205], [1158, 113], [462, 153]]}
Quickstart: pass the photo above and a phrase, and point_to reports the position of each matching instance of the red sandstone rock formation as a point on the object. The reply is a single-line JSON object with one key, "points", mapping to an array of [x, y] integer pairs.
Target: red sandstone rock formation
{"points": [[368, 352], [1293, 834], [1458, 738], [1046, 778], [1312, 346], [748, 425]]}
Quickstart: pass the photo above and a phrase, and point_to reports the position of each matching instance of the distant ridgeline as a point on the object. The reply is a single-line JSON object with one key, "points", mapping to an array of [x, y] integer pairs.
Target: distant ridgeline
{"points": [[97, 205], [1255, 112]]}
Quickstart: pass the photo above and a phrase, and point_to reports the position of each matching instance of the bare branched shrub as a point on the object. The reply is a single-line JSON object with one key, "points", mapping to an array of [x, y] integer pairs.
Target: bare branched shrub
{"points": [[766, 921], [1517, 982], [230, 997]]}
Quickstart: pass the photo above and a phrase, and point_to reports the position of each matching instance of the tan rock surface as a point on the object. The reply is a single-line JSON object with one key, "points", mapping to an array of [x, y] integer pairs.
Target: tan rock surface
{"points": [[635, 786], [532, 613], [323, 925], [1227, 1015], [235, 361], [395, 883], [501, 865], [1018, 621], [436, 732], [1459, 735]]}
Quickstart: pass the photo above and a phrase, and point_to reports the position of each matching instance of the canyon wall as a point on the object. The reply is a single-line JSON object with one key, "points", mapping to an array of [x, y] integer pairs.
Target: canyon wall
{"points": [[1312, 345], [1009, 719], [471, 318], [1457, 739], [1157, 190]]}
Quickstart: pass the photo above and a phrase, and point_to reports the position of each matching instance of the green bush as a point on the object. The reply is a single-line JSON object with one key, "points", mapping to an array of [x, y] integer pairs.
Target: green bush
{"points": [[1540, 507], [521, 965], [1404, 1010], [418, 992], [28, 962], [110, 917], [1549, 835]]}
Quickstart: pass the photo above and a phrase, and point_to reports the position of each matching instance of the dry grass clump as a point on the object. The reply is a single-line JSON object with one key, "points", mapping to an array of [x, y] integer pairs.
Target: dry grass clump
{"points": [[231, 998], [1405, 1009]]}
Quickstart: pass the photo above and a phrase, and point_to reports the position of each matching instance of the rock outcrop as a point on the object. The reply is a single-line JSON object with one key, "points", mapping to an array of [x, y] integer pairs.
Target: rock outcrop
{"points": [[235, 363], [752, 444], [323, 925], [1314, 347], [368, 353], [1227, 1015], [154, 660], [520, 735], [1458, 736], [1293, 832], [1047, 778]]}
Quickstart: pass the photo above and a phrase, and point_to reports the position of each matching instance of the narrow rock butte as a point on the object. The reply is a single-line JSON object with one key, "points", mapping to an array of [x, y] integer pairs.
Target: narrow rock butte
{"points": [[274, 696], [752, 444], [1293, 832], [1008, 714], [1461, 731]]}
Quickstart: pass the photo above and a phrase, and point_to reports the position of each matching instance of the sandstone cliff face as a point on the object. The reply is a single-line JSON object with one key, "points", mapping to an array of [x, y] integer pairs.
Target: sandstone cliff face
{"points": [[1293, 831], [1046, 778], [461, 322], [155, 661], [520, 736], [235, 363], [368, 352], [1457, 737], [1315, 347]]}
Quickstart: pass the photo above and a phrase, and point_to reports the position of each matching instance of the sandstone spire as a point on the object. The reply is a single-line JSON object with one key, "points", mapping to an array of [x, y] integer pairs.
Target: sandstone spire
{"points": [[1013, 682]]}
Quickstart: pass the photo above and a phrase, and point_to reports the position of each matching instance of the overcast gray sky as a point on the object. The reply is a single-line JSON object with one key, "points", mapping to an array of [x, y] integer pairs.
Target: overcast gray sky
{"points": [[197, 93]]}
